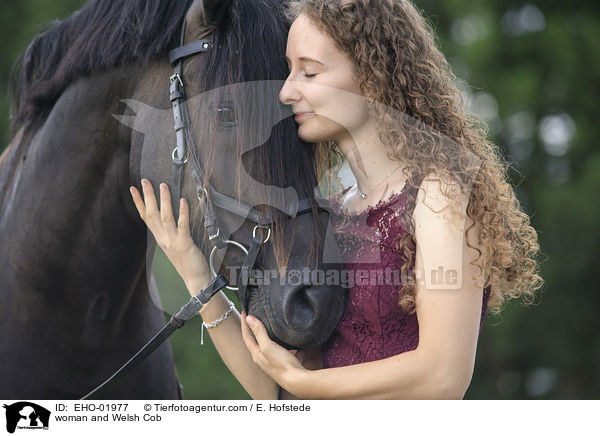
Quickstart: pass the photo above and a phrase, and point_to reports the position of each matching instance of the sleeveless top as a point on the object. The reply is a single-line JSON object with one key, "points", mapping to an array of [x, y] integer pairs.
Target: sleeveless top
{"points": [[373, 325]]}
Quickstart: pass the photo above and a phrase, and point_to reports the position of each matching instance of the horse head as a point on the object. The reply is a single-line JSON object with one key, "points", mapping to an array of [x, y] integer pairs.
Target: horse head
{"points": [[245, 158]]}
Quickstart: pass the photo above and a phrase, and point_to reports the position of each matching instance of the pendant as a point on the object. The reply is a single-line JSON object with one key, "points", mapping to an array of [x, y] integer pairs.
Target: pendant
{"points": [[362, 195]]}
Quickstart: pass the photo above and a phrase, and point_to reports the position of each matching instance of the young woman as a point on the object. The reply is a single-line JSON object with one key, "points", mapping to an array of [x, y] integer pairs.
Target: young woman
{"points": [[431, 201]]}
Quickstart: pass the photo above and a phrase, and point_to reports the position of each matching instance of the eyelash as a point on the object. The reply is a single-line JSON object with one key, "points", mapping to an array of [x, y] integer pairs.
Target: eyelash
{"points": [[309, 75]]}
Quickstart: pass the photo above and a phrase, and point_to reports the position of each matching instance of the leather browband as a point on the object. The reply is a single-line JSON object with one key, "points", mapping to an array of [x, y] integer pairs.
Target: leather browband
{"points": [[189, 49]]}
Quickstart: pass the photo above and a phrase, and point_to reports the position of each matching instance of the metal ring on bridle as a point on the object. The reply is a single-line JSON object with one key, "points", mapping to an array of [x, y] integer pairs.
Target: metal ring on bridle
{"points": [[177, 158], [262, 227], [211, 257]]}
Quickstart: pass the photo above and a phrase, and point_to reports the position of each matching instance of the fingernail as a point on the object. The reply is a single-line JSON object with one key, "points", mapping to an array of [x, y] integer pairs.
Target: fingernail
{"points": [[250, 319]]}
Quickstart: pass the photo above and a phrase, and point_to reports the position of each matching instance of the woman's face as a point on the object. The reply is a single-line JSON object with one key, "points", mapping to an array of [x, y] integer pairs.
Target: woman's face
{"points": [[322, 87]]}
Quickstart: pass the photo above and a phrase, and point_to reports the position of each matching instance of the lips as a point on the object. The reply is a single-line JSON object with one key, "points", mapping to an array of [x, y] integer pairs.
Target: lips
{"points": [[302, 115]]}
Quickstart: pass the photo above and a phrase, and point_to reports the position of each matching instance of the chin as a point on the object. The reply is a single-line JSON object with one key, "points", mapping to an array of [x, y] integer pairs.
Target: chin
{"points": [[311, 134], [308, 136]]}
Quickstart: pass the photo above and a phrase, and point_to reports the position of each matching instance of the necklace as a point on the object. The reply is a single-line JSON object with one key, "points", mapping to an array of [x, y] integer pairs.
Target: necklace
{"points": [[363, 195]]}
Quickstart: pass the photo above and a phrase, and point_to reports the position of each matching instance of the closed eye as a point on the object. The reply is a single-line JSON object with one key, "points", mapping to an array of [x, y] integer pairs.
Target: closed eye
{"points": [[225, 115]]}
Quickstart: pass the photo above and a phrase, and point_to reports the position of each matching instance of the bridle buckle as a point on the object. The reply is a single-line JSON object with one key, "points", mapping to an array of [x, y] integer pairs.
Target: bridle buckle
{"points": [[175, 157], [176, 77]]}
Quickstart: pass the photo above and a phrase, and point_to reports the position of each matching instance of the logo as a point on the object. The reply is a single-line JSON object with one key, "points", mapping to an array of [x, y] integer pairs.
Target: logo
{"points": [[26, 415]]}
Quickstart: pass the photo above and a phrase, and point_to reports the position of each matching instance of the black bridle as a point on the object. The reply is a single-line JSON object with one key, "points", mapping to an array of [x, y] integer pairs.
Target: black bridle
{"points": [[208, 198]]}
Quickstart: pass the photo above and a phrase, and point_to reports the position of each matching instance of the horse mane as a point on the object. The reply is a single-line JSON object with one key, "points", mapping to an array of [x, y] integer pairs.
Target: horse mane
{"points": [[100, 36]]}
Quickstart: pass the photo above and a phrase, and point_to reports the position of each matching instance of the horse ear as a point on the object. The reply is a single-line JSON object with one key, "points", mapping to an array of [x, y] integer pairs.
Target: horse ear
{"points": [[200, 18]]}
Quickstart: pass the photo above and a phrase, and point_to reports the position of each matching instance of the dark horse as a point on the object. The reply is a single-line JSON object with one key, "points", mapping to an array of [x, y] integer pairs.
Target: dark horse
{"points": [[73, 286]]}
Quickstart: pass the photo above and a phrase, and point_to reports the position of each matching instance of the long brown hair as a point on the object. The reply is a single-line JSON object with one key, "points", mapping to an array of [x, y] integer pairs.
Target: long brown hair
{"points": [[401, 70]]}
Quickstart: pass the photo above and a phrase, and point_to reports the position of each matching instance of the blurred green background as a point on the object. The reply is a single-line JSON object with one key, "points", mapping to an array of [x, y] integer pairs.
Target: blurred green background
{"points": [[531, 70]]}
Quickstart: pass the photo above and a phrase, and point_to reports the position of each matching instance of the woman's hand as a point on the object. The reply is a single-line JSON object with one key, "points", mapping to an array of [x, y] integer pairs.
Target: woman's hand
{"points": [[175, 240], [280, 364]]}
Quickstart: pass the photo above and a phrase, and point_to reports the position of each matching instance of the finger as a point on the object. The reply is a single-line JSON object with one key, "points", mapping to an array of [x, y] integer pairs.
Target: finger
{"points": [[138, 201], [259, 330], [149, 199], [166, 210], [183, 223], [247, 336]]}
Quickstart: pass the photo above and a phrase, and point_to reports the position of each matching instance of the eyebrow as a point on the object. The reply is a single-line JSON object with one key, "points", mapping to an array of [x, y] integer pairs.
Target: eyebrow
{"points": [[305, 59]]}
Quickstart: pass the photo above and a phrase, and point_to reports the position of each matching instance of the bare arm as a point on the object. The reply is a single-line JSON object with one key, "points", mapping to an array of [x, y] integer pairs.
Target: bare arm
{"points": [[448, 313], [227, 338], [412, 375], [409, 375], [190, 263]]}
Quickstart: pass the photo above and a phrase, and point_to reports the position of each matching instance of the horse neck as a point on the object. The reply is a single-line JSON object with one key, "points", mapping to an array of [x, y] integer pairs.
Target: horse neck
{"points": [[68, 221]]}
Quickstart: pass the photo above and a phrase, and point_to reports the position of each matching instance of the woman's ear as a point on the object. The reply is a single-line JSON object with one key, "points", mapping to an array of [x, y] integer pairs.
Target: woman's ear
{"points": [[200, 18]]}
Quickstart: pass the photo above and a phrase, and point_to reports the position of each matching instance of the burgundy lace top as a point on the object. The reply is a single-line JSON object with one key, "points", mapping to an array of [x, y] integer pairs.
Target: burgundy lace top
{"points": [[373, 325]]}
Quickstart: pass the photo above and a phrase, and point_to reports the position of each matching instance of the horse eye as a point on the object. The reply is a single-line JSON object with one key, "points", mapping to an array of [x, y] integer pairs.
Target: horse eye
{"points": [[225, 115]]}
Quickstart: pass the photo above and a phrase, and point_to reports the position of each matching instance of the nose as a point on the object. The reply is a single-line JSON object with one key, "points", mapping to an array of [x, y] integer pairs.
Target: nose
{"points": [[289, 93], [310, 314]]}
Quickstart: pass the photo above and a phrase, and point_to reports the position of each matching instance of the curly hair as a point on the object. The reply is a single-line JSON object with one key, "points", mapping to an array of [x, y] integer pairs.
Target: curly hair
{"points": [[401, 71]]}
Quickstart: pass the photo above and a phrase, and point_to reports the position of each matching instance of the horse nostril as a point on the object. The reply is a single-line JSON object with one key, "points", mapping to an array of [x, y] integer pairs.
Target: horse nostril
{"points": [[299, 308]]}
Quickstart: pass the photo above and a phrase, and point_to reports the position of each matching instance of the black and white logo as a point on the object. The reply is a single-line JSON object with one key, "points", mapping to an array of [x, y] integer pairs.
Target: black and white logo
{"points": [[26, 415]]}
